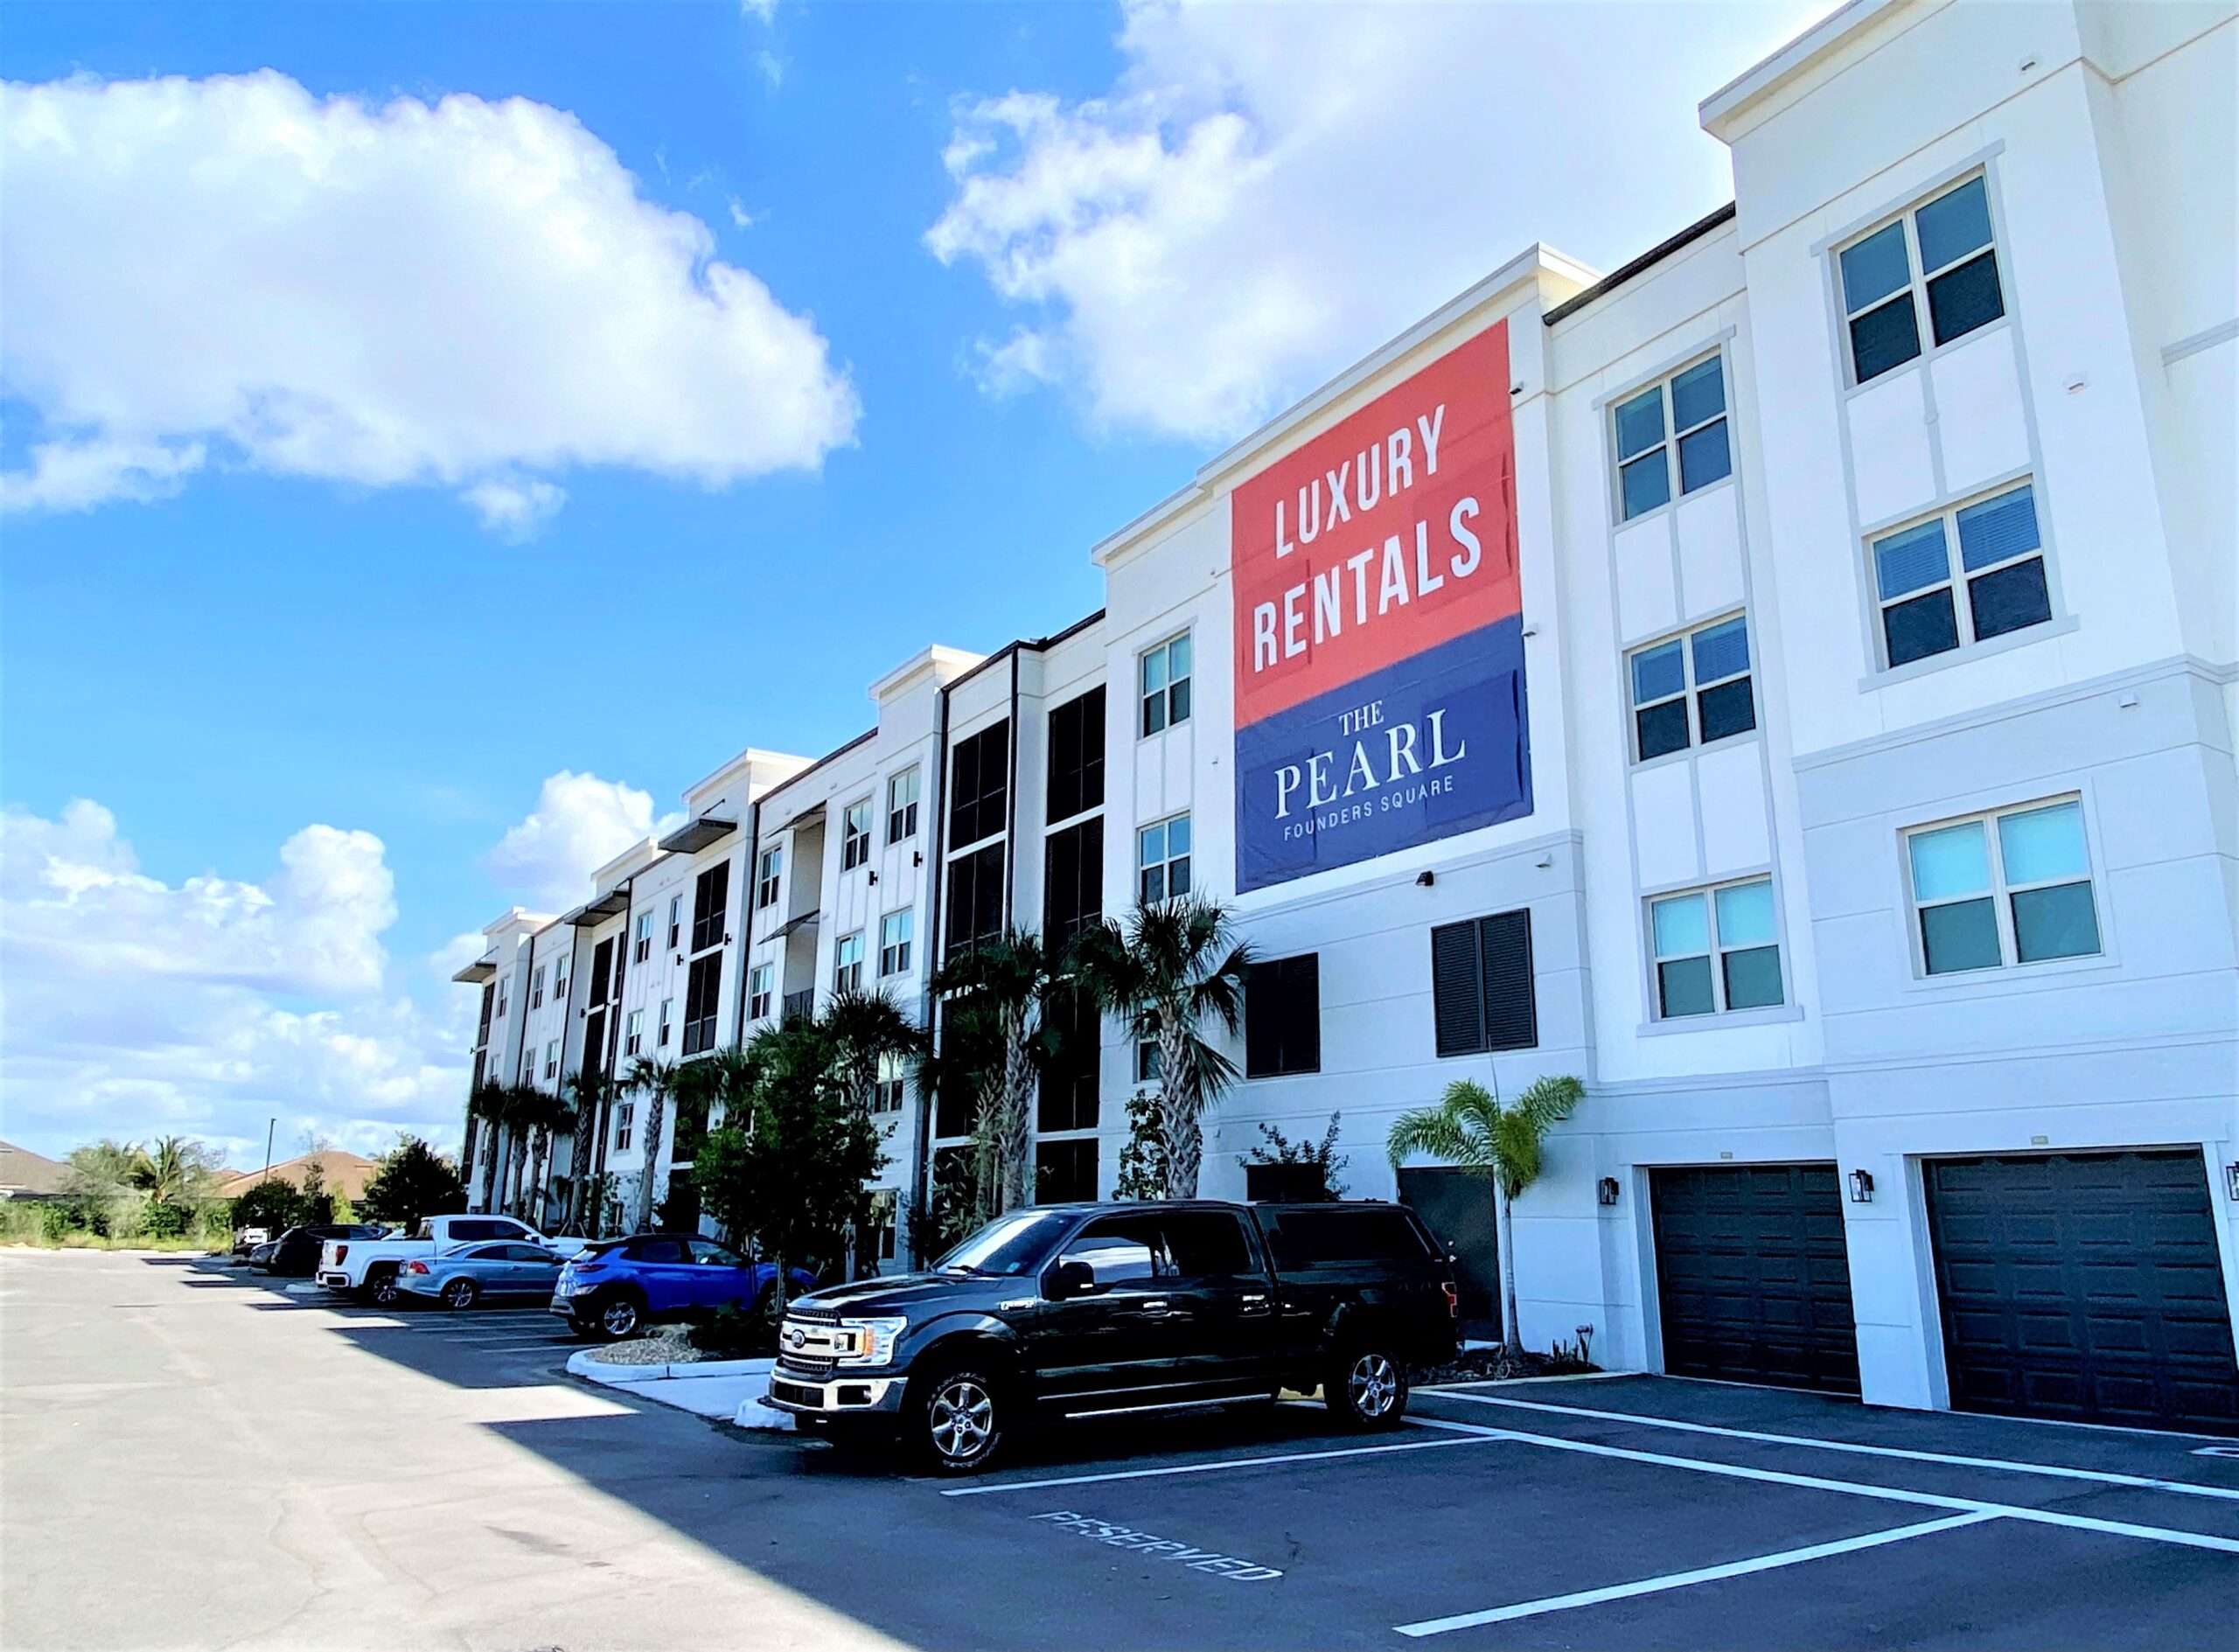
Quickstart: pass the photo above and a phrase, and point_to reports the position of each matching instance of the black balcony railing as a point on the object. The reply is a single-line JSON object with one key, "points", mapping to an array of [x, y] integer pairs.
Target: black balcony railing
{"points": [[798, 1005]]}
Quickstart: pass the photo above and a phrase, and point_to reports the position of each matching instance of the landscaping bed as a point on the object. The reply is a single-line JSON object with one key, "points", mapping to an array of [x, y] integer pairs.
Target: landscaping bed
{"points": [[1480, 1364]]}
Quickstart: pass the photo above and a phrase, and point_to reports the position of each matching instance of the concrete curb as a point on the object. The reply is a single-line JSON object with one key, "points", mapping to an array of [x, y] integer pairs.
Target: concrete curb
{"points": [[581, 1363]]}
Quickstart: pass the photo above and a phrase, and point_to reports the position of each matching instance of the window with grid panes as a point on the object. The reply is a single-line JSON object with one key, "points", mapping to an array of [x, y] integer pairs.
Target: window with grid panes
{"points": [[668, 1008], [633, 1033], [856, 835], [1964, 575], [766, 875], [642, 945], [980, 785], [761, 983], [1072, 880], [702, 992], [1672, 438], [1076, 757], [1691, 690], [975, 899], [675, 921], [848, 964], [1715, 950], [536, 988], [711, 893], [1162, 676], [902, 806], [2012, 887], [1163, 860], [895, 933], [1937, 258], [552, 1059]]}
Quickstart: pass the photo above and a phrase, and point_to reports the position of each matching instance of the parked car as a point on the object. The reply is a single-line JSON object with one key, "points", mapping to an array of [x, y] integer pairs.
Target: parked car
{"points": [[614, 1287], [246, 1239], [503, 1270], [259, 1256], [1068, 1310], [369, 1271], [295, 1253]]}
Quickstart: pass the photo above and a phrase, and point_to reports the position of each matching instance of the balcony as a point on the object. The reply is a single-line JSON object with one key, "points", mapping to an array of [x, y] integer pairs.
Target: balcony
{"points": [[798, 1005]]}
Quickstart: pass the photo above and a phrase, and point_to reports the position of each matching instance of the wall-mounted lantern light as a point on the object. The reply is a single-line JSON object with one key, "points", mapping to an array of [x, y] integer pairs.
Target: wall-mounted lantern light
{"points": [[1861, 1186], [1608, 1191], [1425, 878], [874, 878]]}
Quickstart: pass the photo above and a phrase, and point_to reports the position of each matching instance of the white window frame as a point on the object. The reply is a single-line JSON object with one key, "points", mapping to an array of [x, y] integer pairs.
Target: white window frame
{"points": [[1164, 694], [1958, 575], [552, 1059], [1690, 690], [847, 965], [641, 944], [633, 1033], [625, 1116], [889, 1089], [497, 1010], [1167, 863], [769, 876], [854, 846], [2000, 892], [1916, 287], [560, 972], [536, 988], [896, 939], [1708, 894], [675, 920], [898, 804], [667, 1022], [761, 991], [1674, 492]]}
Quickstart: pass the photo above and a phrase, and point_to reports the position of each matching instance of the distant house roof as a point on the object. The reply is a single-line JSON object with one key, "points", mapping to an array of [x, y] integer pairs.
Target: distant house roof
{"points": [[23, 1173], [346, 1173]]}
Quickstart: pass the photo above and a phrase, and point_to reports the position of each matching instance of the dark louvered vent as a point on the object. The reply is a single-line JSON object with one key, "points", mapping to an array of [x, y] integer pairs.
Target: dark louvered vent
{"points": [[1480, 984], [1457, 988]]}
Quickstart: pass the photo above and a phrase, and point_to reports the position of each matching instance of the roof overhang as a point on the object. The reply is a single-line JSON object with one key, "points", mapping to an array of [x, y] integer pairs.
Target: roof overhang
{"points": [[481, 969], [695, 835], [613, 903], [792, 924]]}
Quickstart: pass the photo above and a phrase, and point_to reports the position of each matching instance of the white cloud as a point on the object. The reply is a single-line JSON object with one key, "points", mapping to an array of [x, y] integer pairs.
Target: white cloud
{"points": [[760, 11], [137, 1006], [772, 68], [1266, 193], [741, 219], [579, 823], [515, 510], [232, 271]]}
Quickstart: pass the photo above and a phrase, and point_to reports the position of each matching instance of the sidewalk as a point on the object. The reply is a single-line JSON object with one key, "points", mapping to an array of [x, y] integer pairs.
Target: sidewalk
{"points": [[728, 1388]]}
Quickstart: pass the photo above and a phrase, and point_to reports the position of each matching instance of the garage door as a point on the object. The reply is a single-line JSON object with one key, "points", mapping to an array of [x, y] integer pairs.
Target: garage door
{"points": [[2083, 1286], [1752, 1275]]}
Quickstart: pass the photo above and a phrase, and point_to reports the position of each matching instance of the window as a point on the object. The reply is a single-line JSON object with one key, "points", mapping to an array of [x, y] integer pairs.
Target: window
{"points": [[711, 895], [669, 1011], [980, 787], [1671, 438], [552, 1059], [707, 1254], [536, 988], [886, 1090], [1148, 1064], [1282, 1016], [528, 1065], [1163, 860], [1480, 984], [642, 948], [854, 834], [633, 1033], [765, 877], [1343, 1236], [702, 991], [975, 899], [501, 1000], [760, 982], [625, 1116], [894, 931], [675, 921], [2000, 564], [848, 964], [1948, 242], [1073, 1049], [1163, 681], [1076, 756], [2010, 887], [902, 805], [1064, 1173], [1709, 669], [560, 978], [1715, 950], [1072, 880], [1118, 1250]]}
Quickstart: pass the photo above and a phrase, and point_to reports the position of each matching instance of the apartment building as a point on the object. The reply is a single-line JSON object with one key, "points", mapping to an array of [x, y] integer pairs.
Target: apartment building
{"points": [[1787, 681]]}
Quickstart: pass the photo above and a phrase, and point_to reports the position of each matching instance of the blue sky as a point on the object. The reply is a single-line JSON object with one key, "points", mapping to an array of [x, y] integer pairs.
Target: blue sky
{"points": [[338, 500]]}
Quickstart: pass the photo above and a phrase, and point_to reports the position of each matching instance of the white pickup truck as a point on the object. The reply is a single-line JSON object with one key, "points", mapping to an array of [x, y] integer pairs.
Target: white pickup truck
{"points": [[367, 1268]]}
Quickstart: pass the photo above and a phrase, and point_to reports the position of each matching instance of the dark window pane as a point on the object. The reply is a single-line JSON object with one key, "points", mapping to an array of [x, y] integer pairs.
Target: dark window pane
{"points": [[1959, 937], [1662, 728], [2054, 923], [1646, 484], [1205, 1244], [1154, 712], [1113, 1257], [1753, 978], [1065, 1172], [1177, 877], [1926, 625], [1704, 458], [1953, 225], [1659, 673], [1696, 394], [1072, 880], [1730, 709], [1073, 1031], [1177, 700], [1911, 560], [1683, 987], [2008, 598], [1998, 529], [1884, 338], [1282, 1016], [1963, 299], [1875, 268], [1640, 422]]}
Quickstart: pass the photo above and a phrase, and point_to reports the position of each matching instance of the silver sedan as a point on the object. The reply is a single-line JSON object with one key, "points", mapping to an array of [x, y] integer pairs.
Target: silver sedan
{"points": [[496, 1271]]}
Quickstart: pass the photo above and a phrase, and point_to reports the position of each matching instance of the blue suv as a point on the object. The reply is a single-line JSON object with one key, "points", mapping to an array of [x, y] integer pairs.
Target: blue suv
{"points": [[610, 1289]]}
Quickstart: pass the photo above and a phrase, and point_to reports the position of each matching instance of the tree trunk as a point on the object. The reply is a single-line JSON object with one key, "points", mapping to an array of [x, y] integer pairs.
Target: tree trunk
{"points": [[654, 1108], [490, 1169], [1177, 1114], [1504, 1238], [543, 1146], [579, 1160], [1015, 1122]]}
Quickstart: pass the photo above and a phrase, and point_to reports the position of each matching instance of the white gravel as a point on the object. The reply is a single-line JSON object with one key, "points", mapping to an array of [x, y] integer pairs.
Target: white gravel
{"points": [[662, 1348]]}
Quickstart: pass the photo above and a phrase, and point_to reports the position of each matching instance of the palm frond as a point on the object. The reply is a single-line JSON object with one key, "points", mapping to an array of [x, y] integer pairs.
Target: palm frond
{"points": [[1436, 1132]]}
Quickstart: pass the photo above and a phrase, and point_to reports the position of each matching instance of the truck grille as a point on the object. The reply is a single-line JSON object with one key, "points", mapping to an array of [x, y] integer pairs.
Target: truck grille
{"points": [[803, 1366]]}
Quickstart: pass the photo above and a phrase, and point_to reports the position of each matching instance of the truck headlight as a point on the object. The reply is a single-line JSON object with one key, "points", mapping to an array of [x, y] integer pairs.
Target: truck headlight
{"points": [[874, 1341]]}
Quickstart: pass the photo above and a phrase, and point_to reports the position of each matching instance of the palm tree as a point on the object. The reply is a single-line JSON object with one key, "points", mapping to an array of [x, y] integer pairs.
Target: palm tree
{"points": [[655, 1081], [491, 1104], [173, 1173], [1174, 965], [867, 1030], [1004, 983], [1471, 1130], [583, 1092], [539, 1114]]}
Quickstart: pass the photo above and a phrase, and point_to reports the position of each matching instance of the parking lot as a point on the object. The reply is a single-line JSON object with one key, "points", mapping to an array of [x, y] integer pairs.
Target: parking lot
{"points": [[475, 1495]]}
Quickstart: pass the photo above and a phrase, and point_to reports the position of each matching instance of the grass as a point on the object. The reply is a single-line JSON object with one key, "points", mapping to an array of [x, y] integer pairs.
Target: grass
{"points": [[43, 1226]]}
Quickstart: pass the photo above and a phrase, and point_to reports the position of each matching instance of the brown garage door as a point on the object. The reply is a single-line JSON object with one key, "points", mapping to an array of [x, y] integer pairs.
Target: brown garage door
{"points": [[1753, 1277], [2084, 1287]]}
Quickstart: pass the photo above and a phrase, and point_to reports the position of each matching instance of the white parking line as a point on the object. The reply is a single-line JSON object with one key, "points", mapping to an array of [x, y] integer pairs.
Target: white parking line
{"points": [[1685, 1580], [1477, 1436], [2054, 1471], [1856, 1488]]}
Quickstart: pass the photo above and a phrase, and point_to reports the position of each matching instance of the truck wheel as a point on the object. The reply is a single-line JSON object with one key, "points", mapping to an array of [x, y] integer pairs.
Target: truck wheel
{"points": [[460, 1293], [956, 1418], [618, 1316], [1366, 1387], [381, 1286]]}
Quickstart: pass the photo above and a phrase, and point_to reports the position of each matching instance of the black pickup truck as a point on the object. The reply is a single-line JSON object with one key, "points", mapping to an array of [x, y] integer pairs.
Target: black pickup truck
{"points": [[1091, 1309]]}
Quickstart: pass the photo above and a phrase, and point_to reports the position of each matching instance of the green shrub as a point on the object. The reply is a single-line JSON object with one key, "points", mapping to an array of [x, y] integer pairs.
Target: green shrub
{"points": [[56, 1223], [162, 1220], [730, 1333]]}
